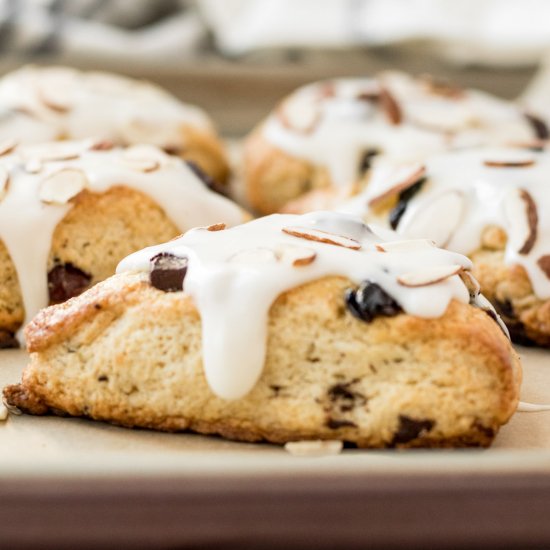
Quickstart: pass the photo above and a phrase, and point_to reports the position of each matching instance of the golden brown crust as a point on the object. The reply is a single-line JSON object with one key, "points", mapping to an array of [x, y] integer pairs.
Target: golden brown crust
{"points": [[273, 178], [395, 382], [206, 150]]}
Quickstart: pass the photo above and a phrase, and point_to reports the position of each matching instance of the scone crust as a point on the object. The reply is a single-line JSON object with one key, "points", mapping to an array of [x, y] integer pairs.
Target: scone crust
{"points": [[99, 230], [396, 382], [272, 177]]}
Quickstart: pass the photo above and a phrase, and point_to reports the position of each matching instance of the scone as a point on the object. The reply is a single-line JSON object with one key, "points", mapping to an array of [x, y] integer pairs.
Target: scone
{"points": [[285, 328], [70, 211], [328, 134], [52, 103], [491, 203]]}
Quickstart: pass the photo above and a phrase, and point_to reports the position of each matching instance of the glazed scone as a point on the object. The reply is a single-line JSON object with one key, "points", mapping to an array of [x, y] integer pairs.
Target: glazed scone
{"points": [[40, 104], [491, 203], [70, 211], [328, 134], [287, 328]]}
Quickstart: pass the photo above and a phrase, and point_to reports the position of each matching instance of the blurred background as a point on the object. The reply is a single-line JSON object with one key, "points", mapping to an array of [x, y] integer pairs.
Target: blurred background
{"points": [[237, 58]]}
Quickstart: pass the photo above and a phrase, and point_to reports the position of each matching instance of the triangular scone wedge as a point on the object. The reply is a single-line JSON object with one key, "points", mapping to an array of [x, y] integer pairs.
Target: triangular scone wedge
{"points": [[127, 353]]}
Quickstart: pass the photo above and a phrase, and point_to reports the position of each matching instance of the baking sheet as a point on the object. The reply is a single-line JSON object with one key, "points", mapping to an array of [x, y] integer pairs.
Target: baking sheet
{"points": [[38, 446]]}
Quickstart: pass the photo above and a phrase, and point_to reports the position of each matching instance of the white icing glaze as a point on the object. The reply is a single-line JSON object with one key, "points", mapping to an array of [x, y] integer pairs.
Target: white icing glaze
{"points": [[44, 104], [333, 129], [462, 196], [235, 275], [27, 223]]}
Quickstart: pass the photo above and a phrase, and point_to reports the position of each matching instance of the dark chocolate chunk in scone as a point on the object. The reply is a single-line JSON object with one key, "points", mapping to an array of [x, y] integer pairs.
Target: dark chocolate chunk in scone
{"points": [[66, 281], [369, 301], [168, 272]]}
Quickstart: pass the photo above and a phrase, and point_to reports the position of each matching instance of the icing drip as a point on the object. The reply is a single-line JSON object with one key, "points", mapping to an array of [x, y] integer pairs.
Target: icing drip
{"points": [[245, 268], [41, 179], [333, 123], [45, 104], [467, 191]]}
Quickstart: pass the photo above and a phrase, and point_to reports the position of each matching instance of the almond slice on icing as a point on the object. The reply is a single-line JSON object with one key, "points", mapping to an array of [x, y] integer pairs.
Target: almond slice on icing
{"points": [[300, 113], [544, 263], [519, 161], [319, 236], [7, 146], [390, 106], [4, 181], [314, 448], [521, 212], [56, 151], [401, 178], [33, 166], [405, 245], [254, 256], [216, 227], [60, 187], [471, 283], [142, 158], [296, 255], [429, 276], [437, 218], [54, 101]]}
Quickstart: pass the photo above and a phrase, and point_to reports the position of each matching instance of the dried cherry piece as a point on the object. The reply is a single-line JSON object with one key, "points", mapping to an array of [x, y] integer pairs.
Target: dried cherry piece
{"points": [[369, 301], [66, 281], [168, 272]]}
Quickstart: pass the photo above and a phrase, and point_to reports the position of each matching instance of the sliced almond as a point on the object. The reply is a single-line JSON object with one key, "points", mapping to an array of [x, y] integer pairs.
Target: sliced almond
{"points": [[7, 146], [429, 276], [3, 412], [54, 96], [296, 255], [300, 113], [60, 187], [390, 106], [544, 263], [471, 283], [142, 158], [437, 218], [4, 181], [405, 246], [33, 166], [102, 145], [63, 150], [319, 236], [216, 227], [400, 178], [521, 212], [520, 161], [532, 144], [254, 256], [314, 448], [441, 87]]}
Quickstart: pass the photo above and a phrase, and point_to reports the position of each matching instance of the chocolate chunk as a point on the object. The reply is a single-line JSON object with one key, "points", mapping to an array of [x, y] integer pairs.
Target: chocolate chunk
{"points": [[8, 339], [344, 396], [335, 424], [206, 179], [539, 126], [168, 272], [366, 160], [403, 201], [66, 281], [369, 301], [410, 428]]}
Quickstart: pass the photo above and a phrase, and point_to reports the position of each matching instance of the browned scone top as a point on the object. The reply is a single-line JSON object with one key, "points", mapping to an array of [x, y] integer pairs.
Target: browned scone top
{"points": [[127, 353]]}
